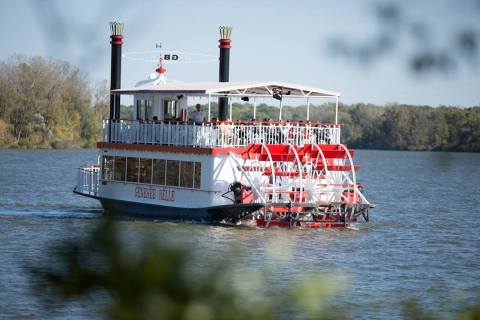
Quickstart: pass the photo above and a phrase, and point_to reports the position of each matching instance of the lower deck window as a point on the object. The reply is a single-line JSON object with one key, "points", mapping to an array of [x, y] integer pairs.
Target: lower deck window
{"points": [[120, 166], [132, 169], [197, 175], [175, 173], [159, 168], [186, 174], [145, 170]]}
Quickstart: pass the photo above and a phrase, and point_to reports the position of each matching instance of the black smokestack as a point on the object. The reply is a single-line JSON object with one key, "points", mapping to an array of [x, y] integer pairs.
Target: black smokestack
{"points": [[116, 29], [224, 68]]}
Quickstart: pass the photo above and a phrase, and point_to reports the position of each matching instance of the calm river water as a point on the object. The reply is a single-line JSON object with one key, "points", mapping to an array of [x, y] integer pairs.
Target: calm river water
{"points": [[423, 240]]}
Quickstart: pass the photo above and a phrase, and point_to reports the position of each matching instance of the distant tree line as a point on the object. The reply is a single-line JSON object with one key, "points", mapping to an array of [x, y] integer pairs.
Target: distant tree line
{"points": [[46, 103]]}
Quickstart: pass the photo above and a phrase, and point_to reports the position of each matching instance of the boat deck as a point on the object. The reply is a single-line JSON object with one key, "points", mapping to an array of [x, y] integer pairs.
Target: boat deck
{"points": [[217, 135]]}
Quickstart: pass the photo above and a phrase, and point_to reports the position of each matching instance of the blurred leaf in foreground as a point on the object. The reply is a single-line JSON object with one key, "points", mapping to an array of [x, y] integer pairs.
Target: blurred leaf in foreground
{"points": [[156, 281]]}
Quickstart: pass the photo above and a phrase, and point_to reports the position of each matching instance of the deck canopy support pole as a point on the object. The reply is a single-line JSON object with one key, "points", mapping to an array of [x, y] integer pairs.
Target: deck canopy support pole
{"points": [[230, 108], [254, 109], [308, 109], [209, 106], [145, 109], [136, 103], [280, 113], [336, 110]]}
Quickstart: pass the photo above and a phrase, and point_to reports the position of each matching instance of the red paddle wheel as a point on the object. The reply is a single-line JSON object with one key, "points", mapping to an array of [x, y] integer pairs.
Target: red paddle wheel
{"points": [[310, 186]]}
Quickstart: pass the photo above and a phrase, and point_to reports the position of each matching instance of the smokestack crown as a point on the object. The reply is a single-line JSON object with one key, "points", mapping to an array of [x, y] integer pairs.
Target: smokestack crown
{"points": [[116, 28], [225, 32]]}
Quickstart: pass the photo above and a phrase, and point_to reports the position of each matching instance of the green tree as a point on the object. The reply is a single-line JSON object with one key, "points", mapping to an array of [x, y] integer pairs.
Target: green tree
{"points": [[46, 103]]}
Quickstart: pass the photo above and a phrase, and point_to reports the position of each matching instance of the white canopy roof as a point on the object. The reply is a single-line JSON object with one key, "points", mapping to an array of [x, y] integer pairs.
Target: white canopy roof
{"points": [[259, 88]]}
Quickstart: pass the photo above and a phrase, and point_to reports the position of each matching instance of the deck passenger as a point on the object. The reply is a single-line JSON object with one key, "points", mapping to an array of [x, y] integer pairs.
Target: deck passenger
{"points": [[226, 133], [308, 136], [198, 116], [240, 133], [272, 132], [167, 117]]}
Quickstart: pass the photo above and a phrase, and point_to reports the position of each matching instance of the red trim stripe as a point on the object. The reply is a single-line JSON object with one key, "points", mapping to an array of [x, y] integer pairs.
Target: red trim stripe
{"points": [[116, 39], [224, 43]]}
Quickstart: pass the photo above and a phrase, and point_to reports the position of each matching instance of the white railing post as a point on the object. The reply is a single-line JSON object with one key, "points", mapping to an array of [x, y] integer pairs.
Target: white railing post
{"points": [[169, 133], [185, 134], [209, 107], [150, 131], [90, 184], [112, 131]]}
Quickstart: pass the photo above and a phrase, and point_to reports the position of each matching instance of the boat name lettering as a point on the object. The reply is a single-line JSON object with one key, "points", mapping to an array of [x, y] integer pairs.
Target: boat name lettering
{"points": [[166, 194], [145, 192]]}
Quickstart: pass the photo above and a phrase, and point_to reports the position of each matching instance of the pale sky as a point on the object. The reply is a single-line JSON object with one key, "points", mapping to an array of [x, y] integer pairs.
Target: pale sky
{"points": [[272, 40]]}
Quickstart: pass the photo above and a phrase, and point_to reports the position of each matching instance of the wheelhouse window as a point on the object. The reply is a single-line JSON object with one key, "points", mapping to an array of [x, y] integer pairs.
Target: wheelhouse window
{"points": [[145, 170], [148, 109], [159, 169], [170, 109], [197, 175], [107, 167], [132, 169], [173, 172], [186, 174], [144, 109], [140, 108], [120, 163]]}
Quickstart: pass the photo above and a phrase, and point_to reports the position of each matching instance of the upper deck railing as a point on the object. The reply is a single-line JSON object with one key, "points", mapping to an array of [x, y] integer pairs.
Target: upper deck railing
{"points": [[214, 135]]}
